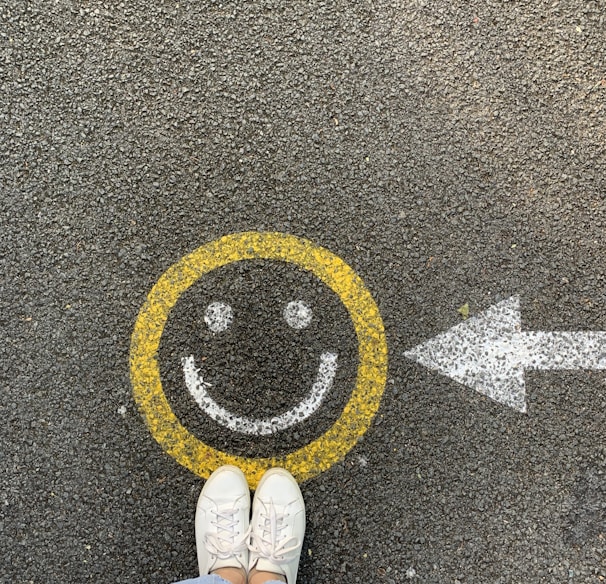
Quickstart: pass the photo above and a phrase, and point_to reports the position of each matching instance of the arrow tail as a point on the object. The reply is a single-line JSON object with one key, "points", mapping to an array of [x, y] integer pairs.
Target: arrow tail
{"points": [[561, 350]]}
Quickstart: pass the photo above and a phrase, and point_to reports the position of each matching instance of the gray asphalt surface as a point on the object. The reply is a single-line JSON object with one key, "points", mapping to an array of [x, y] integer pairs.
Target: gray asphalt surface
{"points": [[451, 153]]}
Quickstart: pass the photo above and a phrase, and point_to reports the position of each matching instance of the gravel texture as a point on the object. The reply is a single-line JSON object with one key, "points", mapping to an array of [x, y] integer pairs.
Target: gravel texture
{"points": [[451, 153]]}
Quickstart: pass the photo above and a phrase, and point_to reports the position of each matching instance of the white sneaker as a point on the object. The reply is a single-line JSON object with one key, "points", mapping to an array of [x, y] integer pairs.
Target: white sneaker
{"points": [[277, 525], [222, 524]]}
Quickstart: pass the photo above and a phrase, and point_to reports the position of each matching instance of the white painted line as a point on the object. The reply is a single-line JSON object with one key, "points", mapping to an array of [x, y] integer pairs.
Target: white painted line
{"points": [[489, 353], [198, 389], [218, 316], [297, 314]]}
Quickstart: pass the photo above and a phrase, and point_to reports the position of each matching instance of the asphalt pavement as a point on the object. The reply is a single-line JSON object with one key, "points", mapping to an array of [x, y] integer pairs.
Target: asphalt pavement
{"points": [[430, 160]]}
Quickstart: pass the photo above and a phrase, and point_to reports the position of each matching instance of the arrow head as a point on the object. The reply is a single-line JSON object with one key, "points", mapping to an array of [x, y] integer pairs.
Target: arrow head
{"points": [[480, 354]]}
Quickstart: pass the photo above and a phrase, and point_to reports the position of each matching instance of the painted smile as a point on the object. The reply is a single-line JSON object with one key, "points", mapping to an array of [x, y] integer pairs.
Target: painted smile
{"points": [[198, 389], [218, 318]]}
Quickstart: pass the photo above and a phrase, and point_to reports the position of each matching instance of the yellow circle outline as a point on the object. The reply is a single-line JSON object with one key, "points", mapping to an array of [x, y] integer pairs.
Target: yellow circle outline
{"points": [[320, 454]]}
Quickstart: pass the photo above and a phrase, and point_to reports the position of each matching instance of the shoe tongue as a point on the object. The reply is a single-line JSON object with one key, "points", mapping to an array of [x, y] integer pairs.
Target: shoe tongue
{"points": [[264, 565]]}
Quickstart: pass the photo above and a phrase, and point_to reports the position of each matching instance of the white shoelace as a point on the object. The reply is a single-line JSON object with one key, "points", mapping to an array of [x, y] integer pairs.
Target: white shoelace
{"points": [[226, 543], [268, 544]]}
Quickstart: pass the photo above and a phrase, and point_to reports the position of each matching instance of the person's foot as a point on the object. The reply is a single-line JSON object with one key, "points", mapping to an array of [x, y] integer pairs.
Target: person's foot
{"points": [[277, 525], [222, 524]]}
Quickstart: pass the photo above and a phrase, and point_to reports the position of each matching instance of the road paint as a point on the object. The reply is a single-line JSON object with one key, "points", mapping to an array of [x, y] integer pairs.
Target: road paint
{"points": [[355, 419], [198, 388], [218, 316], [297, 314], [489, 353]]}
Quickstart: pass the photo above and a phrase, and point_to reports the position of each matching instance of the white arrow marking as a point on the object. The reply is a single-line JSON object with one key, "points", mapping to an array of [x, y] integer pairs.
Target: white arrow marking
{"points": [[489, 353]]}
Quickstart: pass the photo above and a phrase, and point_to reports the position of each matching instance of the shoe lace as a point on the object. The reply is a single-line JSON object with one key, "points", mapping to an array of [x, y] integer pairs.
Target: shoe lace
{"points": [[267, 542], [226, 542]]}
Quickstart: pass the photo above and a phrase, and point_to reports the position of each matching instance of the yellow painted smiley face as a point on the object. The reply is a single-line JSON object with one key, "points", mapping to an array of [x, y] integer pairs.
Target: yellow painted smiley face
{"points": [[322, 452]]}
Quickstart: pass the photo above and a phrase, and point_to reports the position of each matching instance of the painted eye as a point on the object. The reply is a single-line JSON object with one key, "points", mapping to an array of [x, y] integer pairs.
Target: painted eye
{"points": [[218, 316], [297, 314]]}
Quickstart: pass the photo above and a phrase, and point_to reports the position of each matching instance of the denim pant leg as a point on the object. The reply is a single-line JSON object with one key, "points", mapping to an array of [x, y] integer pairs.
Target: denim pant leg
{"points": [[210, 579], [214, 579]]}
